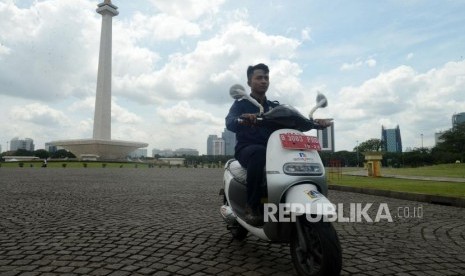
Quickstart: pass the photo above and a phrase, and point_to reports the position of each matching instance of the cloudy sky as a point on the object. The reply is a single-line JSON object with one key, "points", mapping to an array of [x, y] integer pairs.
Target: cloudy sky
{"points": [[398, 62]]}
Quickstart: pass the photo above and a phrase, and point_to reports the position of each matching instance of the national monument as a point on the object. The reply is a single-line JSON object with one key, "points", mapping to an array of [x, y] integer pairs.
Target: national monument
{"points": [[101, 145]]}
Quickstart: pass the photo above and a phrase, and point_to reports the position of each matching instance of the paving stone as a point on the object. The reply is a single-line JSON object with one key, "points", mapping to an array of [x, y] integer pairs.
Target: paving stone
{"points": [[133, 222]]}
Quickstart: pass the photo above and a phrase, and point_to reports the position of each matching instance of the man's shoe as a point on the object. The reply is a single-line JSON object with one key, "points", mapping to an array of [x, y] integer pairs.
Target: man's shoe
{"points": [[252, 218]]}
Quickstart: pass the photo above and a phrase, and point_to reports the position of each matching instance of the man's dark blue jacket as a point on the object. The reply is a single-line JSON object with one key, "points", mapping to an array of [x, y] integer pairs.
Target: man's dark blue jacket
{"points": [[248, 135]]}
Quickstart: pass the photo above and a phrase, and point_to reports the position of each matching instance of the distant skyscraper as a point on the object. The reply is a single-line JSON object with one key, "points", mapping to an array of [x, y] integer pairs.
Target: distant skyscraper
{"points": [[229, 138], [390, 139], [437, 137], [218, 146], [326, 138], [50, 147], [210, 140], [215, 145], [458, 119], [26, 144]]}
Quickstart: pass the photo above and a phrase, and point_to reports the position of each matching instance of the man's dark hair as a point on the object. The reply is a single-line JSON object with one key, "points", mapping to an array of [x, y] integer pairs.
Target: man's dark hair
{"points": [[259, 66]]}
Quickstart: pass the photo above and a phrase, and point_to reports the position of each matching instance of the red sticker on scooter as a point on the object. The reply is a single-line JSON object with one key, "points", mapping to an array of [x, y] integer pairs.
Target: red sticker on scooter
{"points": [[299, 141]]}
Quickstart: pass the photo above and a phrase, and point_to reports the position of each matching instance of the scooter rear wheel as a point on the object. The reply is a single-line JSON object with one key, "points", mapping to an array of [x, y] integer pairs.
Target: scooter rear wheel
{"points": [[323, 251]]}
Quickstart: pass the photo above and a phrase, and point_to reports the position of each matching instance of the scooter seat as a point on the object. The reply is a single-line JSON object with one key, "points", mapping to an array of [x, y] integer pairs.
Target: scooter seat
{"points": [[238, 172]]}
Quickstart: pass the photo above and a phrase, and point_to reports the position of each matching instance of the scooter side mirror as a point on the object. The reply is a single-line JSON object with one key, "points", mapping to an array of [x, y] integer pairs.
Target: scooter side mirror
{"points": [[321, 101], [237, 92]]}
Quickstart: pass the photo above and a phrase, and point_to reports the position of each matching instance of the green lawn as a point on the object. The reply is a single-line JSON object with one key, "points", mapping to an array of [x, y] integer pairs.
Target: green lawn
{"points": [[406, 185], [444, 170]]}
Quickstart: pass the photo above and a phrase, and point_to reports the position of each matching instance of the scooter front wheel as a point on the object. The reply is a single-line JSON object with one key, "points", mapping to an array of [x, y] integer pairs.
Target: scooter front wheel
{"points": [[317, 252]]}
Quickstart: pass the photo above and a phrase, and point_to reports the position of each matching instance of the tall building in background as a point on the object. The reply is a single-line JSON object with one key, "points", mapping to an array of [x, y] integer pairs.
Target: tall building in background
{"points": [[26, 144], [210, 140], [51, 148], [215, 145], [326, 138], [458, 119], [229, 138], [437, 137], [218, 146], [391, 140]]}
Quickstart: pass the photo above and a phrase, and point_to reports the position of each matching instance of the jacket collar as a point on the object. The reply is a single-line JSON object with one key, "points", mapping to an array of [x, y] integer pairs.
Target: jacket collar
{"points": [[265, 100]]}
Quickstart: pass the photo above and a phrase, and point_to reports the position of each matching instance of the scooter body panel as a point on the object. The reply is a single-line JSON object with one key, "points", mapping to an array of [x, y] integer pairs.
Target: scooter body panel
{"points": [[277, 156], [306, 199]]}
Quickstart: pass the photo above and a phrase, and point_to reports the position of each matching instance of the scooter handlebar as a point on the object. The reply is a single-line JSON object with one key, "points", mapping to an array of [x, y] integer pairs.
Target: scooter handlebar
{"points": [[246, 121]]}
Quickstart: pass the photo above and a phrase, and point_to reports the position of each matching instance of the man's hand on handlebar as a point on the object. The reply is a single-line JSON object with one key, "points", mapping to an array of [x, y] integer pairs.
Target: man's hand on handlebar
{"points": [[248, 119], [323, 123]]}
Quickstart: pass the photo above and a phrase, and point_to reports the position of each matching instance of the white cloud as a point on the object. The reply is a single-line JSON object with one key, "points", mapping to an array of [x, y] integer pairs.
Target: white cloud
{"points": [[49, 70], [123, 116], [163, 27], [305, 34], [4, 50], [214, 64], [370, 62], [189, 9], [183, 114], [84, 105], [40, 114]]}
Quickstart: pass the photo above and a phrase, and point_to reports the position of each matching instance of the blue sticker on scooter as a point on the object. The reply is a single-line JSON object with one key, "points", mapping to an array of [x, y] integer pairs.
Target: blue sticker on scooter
{"points": [[313, 194]]}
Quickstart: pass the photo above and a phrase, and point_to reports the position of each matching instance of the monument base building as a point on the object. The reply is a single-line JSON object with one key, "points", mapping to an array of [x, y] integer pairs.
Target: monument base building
{"points": [[100, 149]]}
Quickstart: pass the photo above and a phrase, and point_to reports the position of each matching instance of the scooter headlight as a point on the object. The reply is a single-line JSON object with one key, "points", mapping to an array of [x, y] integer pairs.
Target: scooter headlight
{"points": [[303, 169]]}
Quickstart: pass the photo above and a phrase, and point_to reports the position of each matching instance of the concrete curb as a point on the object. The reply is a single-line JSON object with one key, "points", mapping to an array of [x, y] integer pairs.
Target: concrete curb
{"points": [[434, 199]]}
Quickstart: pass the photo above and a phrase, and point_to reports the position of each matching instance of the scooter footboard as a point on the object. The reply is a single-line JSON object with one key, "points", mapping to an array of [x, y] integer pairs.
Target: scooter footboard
{"points": [[305, 199]]}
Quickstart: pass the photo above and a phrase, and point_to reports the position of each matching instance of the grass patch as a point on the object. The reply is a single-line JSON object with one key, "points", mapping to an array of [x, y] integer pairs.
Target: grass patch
{"points": [[443, 170], [402, 185]]}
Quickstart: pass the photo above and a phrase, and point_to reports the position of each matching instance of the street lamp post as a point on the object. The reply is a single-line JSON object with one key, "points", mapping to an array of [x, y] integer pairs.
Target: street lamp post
{"points": [[422, 141], [358, 161]]}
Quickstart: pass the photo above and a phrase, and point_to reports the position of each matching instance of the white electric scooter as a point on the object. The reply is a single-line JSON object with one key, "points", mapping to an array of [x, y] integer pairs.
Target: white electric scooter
{"points": [[296, 191]]}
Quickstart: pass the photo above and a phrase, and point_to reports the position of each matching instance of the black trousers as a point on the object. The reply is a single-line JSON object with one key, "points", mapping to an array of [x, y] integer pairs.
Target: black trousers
{"points": [[253, 158]]}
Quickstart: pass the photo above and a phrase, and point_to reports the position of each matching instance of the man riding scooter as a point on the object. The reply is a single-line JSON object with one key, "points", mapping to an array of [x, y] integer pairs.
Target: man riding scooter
{"points": [[250, 149]]}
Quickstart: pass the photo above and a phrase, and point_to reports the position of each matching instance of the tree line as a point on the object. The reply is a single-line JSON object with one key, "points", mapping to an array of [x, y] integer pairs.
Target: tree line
{"points": [[449, 150]]}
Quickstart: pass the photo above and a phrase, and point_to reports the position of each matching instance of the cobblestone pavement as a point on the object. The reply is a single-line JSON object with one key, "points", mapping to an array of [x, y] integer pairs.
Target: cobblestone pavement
{"points": [[167, 222]]}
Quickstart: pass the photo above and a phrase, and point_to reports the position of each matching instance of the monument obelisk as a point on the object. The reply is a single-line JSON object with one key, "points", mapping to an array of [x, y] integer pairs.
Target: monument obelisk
{"points": [[102, 115], [101, 146]]}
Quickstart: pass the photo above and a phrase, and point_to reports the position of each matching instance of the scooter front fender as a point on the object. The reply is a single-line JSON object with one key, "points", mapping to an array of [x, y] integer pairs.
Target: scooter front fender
{"points": [[305, 199]]}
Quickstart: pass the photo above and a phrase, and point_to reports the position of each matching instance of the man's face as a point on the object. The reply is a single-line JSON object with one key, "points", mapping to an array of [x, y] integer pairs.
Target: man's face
{"points": [[259, 82]]}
